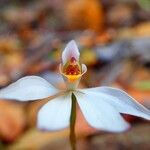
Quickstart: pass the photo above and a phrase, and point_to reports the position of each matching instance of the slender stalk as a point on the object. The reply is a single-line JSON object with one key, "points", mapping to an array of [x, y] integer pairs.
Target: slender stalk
{"points": [[72, 123]]}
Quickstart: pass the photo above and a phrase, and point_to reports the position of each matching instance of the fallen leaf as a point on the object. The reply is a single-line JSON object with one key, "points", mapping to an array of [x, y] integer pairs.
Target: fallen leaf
{"points": [[12, 120]]}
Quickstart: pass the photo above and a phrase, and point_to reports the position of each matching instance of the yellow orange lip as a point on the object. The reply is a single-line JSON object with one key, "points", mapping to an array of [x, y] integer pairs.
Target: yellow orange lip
{"points": [[73, 78]]}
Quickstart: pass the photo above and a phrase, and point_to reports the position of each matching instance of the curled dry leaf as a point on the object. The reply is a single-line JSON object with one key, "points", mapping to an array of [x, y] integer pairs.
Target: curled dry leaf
{"points": [[12, 120]]}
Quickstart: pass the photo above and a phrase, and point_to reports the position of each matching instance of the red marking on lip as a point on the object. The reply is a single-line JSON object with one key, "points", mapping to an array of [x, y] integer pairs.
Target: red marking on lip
{"points": [[73, 67], [72, 70]]}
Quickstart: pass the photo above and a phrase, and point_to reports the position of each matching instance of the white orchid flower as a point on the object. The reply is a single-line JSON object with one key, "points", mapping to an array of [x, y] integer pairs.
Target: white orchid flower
{"points": [[100, 106]]}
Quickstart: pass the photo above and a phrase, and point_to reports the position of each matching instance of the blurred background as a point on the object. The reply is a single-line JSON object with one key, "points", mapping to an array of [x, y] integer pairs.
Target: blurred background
{"points": [[114, 42]]}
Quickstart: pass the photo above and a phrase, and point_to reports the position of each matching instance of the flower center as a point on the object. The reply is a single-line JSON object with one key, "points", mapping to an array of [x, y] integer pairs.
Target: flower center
{"points": [[72, 67], [72, 70]]}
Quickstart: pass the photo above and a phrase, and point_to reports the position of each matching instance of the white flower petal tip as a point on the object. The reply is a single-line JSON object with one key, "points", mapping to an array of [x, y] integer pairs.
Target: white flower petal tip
{"points": [[55, 114], [28, 88], [71, 50], [100, 114], [121, 101]]}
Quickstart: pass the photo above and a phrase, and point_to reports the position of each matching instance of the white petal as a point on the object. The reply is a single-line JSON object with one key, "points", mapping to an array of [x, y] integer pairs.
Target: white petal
{"points": [[71, 50], [99, 113], [123, 102], [28, 88], [55, 114]]}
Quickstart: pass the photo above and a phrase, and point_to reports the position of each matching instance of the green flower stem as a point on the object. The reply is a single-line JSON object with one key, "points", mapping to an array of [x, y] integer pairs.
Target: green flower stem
{"points": [[72, 123]]}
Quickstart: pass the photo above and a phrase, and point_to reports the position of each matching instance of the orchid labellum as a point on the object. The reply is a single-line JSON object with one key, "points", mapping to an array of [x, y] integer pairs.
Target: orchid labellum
{"points": [[101, 106]]}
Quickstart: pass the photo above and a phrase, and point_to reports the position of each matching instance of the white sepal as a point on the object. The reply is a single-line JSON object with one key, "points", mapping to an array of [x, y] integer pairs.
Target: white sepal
{"points": [[28, 88], [122, 102], [100, 114], [71, 50], [55, 114]]}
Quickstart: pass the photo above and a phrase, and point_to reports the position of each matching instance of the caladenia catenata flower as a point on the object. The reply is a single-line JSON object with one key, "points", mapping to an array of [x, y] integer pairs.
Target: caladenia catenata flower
{"points": [[101, 106], [71, 68]]}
